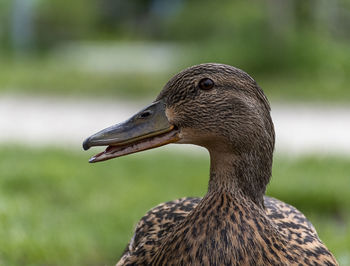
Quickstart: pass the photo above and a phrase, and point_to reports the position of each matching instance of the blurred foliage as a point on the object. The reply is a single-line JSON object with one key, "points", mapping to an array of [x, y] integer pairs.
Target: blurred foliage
{"points": [[266, 36], [64, 20], [258, 36], [56, 209]]}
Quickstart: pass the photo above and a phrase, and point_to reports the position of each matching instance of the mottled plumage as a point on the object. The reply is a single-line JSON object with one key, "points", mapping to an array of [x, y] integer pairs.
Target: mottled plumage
{"points": [[301, 246], [234, 223]]}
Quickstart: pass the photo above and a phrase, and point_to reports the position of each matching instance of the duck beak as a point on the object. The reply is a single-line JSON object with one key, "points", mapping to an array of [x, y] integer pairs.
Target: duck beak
{"points": [[147, 129]]}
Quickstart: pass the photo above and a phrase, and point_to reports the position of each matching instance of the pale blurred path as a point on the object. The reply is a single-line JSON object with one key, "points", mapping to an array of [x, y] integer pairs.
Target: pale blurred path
{"points": [[42, 121]]}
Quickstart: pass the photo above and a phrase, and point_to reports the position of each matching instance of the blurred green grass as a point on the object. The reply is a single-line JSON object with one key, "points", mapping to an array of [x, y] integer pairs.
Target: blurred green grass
{"points": [[44, 76], [56, 209], [41, 76]]}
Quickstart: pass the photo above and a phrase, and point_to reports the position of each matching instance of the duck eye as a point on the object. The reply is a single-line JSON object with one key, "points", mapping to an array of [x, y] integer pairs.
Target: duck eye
{"points": [[206, 84]]}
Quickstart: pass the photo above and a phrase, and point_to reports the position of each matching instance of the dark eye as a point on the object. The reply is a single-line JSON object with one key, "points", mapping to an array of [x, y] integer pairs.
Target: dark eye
{"points": [[206, 84]]}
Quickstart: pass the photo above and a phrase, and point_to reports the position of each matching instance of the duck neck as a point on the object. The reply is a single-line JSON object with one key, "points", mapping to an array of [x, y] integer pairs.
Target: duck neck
{"points": [[246, 174]]}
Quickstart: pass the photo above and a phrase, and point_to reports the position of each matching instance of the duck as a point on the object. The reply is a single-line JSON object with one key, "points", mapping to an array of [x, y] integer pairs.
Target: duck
{"points": [[222, 109]]}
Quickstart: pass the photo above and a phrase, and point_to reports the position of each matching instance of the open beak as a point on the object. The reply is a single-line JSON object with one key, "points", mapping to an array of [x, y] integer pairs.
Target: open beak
{"points": [[147, 129]]}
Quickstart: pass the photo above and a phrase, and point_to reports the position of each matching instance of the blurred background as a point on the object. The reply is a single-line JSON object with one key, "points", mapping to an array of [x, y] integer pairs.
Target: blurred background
{"points": [[70, 68]]}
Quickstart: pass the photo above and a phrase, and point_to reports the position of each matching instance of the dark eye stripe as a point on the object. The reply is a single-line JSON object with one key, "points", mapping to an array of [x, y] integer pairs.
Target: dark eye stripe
{"points": [[206, 84]]}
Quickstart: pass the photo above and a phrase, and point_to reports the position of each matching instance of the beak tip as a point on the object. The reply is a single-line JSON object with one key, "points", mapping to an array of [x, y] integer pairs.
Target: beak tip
{"points": [[86, 144], [92, 159]]}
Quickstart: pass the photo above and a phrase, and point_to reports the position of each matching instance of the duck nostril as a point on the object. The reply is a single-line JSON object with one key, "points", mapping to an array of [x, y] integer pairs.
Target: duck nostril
{"points": [[145, 114]]}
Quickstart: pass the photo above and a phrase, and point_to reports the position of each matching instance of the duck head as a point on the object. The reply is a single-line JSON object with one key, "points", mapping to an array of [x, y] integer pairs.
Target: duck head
{"points": [[215, 106]]}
